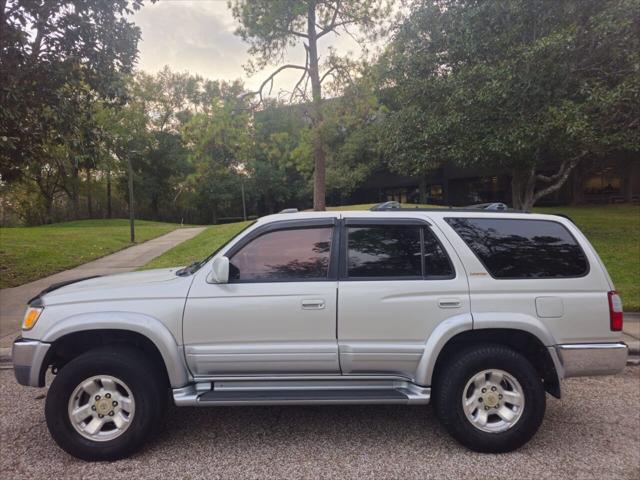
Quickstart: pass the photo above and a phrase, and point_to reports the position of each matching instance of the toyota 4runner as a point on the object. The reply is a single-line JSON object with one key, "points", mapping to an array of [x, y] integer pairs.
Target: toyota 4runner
{"points": [[477, 312]]}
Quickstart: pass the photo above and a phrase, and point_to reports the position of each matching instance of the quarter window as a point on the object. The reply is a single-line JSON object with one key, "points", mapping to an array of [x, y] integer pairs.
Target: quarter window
{"points": [[511, 248], [284, 255]]}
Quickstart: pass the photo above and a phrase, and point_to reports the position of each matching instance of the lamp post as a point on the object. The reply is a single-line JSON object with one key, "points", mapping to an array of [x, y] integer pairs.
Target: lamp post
{"points": [[131, 199], [242, 171]]}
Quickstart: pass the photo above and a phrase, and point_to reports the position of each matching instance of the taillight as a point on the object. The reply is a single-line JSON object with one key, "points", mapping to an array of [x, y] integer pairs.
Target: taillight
{"points": [[615, 312]]}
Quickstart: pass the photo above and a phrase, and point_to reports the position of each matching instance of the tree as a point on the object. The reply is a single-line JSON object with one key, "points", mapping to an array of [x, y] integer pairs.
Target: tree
{"points": [[220, 145], [56, 58], [532, 87], [272, 26]]}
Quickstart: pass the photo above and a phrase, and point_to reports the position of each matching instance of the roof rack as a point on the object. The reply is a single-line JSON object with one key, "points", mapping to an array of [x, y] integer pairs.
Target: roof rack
{"points": [[386, 206], [289, 210], [496, 207]]}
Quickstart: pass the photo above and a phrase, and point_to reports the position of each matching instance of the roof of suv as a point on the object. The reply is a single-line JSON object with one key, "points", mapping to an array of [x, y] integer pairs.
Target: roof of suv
{"points": [[411, 212]]}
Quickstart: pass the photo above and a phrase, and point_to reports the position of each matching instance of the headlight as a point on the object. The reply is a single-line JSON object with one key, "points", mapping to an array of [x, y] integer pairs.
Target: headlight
{"points": [[31, 317]]}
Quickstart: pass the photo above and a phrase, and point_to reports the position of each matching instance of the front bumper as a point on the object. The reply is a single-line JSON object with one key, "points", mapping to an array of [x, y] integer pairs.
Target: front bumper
{"points": [[28, 358], [579, 360]]}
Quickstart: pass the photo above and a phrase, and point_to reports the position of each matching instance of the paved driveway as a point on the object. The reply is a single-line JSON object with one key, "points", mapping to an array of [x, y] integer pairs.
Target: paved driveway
{"points": [[594, 432]]}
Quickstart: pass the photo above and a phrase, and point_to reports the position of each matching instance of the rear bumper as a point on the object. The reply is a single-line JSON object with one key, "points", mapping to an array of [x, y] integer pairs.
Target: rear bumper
{"points": [[28, 357], [579, 360]]}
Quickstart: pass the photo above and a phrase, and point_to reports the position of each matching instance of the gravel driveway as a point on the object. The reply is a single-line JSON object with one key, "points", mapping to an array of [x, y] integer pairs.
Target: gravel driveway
{"points": [[594, 432]]}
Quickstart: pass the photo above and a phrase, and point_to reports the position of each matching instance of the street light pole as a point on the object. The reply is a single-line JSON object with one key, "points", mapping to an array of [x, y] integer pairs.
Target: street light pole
{"points": [[244, 205], [131, 215]]}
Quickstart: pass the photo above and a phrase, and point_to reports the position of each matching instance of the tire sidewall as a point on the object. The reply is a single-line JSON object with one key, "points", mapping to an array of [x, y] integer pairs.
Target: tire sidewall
{"points": [[468, 365], [122, 363]]}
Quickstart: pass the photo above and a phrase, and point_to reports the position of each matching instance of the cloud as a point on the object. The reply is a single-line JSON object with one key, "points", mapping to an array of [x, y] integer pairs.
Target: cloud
{"points": [[198, 36]]}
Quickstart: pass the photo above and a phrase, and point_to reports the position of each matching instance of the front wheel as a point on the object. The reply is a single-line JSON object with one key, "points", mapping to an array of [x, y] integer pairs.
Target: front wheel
{"points": [[490, 398], [104, 404]]}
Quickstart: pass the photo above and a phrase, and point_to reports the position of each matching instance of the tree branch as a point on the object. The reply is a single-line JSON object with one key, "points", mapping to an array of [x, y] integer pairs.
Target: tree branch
{"points": [[327, 73], [269, 79], [559, 178], [304, 74], [298, 34], [332, 23]]}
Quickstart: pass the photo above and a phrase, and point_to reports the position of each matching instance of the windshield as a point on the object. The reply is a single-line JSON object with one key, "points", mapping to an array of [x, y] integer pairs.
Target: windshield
{"points": [[195, 266]]}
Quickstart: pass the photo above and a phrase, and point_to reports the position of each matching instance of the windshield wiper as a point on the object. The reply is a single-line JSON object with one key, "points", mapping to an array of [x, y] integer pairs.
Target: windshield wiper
{"points": [[183, 272]]}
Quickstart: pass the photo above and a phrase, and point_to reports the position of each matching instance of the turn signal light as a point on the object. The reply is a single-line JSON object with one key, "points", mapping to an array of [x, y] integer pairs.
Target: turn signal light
{"points": [[31, 317], [615, 312]]}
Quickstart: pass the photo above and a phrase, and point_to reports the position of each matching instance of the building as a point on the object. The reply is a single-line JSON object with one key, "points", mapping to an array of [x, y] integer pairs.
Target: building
{"points": [[612, 181]]}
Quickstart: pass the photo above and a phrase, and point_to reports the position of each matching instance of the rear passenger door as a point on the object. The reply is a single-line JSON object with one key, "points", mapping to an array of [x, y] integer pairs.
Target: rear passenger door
{"points": [[398, 280]]}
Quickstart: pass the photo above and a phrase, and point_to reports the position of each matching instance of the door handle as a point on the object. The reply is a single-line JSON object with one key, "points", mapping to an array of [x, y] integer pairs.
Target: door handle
{"points": [[313, 304], [449, 302]]}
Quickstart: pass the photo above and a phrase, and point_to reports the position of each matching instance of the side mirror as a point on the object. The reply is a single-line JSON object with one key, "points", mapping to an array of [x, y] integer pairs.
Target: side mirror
{"points": [[219, 270]]}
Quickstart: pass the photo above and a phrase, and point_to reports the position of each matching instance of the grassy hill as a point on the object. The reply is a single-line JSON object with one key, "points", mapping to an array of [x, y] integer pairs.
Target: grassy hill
{"points": [[29, 253]]}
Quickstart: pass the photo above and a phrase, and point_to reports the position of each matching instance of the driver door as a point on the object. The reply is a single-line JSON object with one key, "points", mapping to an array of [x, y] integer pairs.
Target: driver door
{"points": [[277, 313]]}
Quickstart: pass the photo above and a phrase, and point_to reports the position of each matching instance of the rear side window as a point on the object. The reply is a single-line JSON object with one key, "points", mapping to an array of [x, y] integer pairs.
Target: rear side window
{"points": [[400, 251], [384, 251], [513, 249]]}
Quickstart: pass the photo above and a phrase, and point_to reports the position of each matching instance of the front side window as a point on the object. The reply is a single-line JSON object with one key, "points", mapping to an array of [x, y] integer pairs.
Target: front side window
{"points": [[401, 251], [284, 255], [512, 248]]}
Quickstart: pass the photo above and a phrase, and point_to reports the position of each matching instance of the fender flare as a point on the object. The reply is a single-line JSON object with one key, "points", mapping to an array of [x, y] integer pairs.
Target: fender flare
{"points": [[145, 325], [453, 326], [445, 330]]}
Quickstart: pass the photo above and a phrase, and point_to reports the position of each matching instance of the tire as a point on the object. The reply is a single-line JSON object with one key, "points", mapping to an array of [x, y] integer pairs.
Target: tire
{"points": [[481, 365], [139, 385]]}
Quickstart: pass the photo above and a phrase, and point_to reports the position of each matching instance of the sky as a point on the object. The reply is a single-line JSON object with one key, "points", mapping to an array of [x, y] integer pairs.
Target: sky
{"points": [[197, 36]]}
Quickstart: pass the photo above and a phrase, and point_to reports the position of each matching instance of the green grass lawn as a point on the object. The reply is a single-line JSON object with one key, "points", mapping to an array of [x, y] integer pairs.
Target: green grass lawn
{"points": [[614, 230], [199, 247], [29, 253]]}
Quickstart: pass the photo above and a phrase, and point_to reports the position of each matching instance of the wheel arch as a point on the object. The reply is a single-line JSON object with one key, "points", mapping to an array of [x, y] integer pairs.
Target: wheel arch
{"points": [[79, 333], [522, 341]]}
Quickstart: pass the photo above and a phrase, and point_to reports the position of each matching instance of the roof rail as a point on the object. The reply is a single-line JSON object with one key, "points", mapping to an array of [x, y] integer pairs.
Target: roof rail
{"points": [[289, 210], [392, 205], [490, 206], [496, 207]]}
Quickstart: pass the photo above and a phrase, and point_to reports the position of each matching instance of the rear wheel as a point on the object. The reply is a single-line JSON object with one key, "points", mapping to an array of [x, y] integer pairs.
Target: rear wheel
{"points": [[105, 403], [490, 398]]}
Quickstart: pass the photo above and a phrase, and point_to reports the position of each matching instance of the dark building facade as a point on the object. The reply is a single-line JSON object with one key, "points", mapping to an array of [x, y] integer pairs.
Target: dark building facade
{"points": [[612, 181]]}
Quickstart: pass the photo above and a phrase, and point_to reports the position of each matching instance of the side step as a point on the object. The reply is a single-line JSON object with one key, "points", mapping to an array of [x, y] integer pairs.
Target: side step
{"points": [[227, 393]]}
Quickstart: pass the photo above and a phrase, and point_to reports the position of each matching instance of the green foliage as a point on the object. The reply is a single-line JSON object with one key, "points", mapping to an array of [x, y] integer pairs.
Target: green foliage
{"points": [[57, 56], [29, 253], [520, 85], [220, 145]]}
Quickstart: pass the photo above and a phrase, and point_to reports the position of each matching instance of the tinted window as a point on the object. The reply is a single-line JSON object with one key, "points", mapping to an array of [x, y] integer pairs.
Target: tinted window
{"points": [[384, 251], [522, 248], [301, 254], [436, 261]]}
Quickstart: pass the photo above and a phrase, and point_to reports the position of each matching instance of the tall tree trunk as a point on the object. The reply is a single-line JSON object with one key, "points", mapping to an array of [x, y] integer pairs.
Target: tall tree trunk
{"points": [[319, 185], [132, 230]]}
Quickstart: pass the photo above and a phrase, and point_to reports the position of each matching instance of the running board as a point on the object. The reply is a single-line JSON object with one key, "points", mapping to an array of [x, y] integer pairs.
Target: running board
{"points": [[228, 393]]}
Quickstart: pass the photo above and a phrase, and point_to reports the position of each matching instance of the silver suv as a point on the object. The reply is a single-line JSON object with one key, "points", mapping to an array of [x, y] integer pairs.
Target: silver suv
{"points": [[477, 312]]}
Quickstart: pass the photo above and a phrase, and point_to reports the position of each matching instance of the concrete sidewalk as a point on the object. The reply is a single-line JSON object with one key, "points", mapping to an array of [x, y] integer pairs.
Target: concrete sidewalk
{"points": [[13, 300]]}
